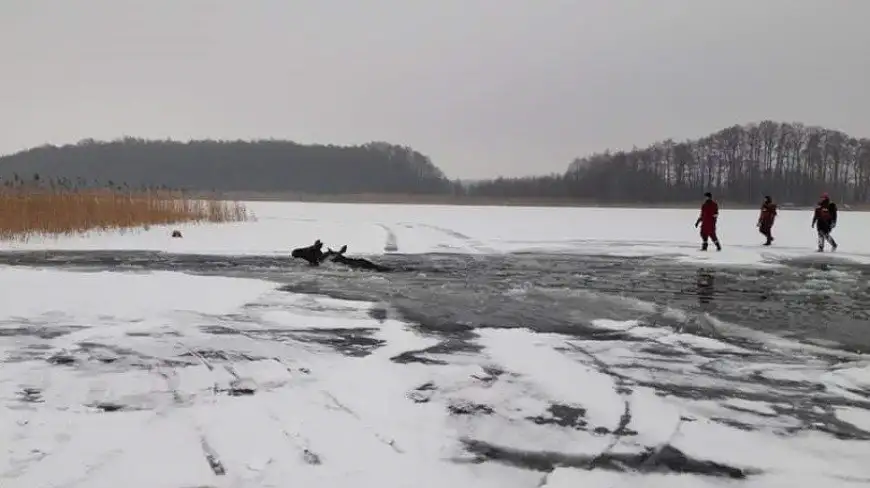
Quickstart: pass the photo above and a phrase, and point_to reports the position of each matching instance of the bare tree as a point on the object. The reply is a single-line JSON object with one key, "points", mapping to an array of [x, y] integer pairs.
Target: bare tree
{"points": [[790, 161]]}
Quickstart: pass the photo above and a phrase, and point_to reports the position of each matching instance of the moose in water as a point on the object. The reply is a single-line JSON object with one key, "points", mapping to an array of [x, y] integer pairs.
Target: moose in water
{"points": [[315, 255]]}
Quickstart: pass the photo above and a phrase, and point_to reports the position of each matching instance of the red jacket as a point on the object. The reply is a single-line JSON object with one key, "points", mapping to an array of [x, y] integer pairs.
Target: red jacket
{"points": [[768, 214], [709, 212]]}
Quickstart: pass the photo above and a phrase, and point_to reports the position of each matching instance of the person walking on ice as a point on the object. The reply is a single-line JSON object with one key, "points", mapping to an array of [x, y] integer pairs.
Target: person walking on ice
{"points": [[825, 220], [766, 218], [707, 221]]}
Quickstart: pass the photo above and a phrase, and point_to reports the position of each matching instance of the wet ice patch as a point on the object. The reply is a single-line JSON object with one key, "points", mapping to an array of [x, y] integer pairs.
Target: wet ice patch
{"points": [[667, 336], [571, 478], [856, 375], [858, 417], [655, 419], [560, 378], [296, 320], [762, 408], [621, 325]]}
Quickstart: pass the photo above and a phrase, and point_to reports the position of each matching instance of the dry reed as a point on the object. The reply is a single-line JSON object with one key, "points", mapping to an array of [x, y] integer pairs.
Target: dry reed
{"points": [[25, 212]]}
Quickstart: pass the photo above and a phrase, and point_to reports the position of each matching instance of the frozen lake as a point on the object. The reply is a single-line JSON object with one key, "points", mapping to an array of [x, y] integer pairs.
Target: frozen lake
{"points": [[414, 229], [510, 347]]}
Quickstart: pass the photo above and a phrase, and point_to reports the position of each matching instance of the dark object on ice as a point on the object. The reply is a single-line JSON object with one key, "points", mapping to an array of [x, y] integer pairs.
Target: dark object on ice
{"points": [[824, 220], [666, 459], [109, 407], [313, 253], [241, 390], [31, 395], [176, 234], [707, 220], [356, 263], [766, 218], [61, 358]]}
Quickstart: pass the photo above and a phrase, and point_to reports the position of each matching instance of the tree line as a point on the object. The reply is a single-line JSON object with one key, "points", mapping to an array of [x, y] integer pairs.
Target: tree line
{"points": [[792, 162], [210, 165]]}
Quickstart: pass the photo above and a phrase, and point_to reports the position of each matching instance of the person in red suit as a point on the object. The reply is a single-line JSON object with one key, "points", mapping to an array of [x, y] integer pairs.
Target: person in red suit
{"points": [[766, 218], [824, 220], [707, 221]]}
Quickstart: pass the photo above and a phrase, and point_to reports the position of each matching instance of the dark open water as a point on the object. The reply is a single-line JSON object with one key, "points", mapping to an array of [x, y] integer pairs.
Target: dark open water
{"points": [[819, 301]]}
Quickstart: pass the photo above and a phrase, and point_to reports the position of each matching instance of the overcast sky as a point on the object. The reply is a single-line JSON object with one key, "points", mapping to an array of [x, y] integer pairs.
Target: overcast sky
{"points": [[484, 87]]}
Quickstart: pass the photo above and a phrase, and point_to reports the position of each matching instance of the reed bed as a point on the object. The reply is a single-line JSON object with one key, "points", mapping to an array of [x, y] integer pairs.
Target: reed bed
{"points": [[27, 212]]}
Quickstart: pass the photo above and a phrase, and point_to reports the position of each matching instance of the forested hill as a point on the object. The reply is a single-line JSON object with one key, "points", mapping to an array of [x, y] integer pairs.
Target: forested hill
{"points": [[254, 166], [792, 162], [789, 161]]}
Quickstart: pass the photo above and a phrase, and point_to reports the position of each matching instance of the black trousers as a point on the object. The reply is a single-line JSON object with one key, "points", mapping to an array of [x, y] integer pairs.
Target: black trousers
{"points": [[824, 232]]}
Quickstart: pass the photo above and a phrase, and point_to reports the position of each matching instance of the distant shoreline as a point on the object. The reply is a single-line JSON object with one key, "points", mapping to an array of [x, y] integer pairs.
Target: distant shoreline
{"points": [[401, 199]]}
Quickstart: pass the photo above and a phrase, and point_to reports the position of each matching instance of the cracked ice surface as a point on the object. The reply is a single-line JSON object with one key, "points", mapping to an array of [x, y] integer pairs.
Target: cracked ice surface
{"points": [[234, 386], [310, 415], [513, 371]]}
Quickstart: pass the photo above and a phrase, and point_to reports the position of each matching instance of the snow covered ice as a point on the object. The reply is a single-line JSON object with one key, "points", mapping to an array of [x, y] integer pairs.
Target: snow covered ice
{"points": [[514, 347]]}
